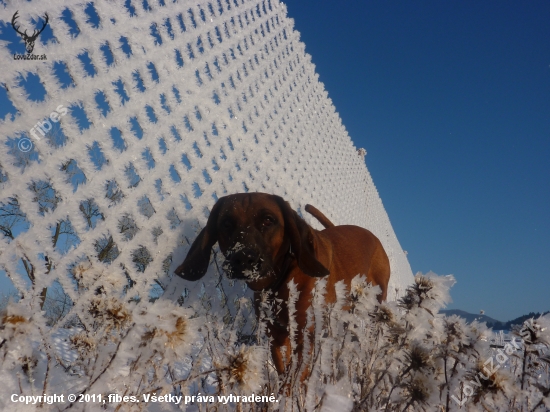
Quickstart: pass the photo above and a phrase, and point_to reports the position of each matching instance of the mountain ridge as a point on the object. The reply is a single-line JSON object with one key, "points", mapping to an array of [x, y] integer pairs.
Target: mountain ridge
{"points": [[491, 322]]}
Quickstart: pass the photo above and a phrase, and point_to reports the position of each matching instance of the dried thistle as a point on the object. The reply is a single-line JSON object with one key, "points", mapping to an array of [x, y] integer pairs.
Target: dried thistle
{"points": [[429, 292], [111, 312], [416, 391], [485, 385], [417, 358], [85, 274], [535, 332], [363, 291], [383, 315], [408, 301], [237, 368], [167, 326], [246, 368], [455, 332], [12, 320], [422, 286], [178, 336], [83, 343]]}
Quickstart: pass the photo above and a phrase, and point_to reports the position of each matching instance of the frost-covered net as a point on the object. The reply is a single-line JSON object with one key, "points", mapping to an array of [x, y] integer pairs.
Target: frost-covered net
{"points": [[166, 106]]}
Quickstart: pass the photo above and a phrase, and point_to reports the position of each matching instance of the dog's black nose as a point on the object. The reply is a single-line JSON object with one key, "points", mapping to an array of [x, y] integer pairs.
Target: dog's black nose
{"points": [[246, 258]]}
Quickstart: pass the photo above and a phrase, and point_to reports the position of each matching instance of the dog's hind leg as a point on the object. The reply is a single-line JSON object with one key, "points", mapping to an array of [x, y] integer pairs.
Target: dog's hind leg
{"points": [[379, 271]]}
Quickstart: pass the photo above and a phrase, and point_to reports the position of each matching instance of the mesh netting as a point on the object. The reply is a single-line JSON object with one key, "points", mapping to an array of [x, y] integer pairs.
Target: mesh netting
{"points": [[164, 107]]}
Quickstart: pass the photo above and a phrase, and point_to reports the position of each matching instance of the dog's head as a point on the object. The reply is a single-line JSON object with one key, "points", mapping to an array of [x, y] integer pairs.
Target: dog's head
{"points": [[255, 232]]}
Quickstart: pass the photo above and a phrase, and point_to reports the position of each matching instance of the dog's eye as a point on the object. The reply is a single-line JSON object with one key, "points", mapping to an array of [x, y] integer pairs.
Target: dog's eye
{"points": [[268, 221]]}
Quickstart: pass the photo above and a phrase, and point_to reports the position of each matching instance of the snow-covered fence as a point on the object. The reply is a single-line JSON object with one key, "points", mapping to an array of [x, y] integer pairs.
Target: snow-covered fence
{"points": [[151, 111]]}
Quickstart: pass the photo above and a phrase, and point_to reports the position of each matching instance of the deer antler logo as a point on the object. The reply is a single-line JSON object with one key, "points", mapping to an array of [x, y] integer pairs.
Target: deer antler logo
{"points": [[29, 40]]}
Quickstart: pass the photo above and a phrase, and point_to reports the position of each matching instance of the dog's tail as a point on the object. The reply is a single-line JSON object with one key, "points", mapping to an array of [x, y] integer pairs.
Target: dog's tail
{"points": [[313, 211]]}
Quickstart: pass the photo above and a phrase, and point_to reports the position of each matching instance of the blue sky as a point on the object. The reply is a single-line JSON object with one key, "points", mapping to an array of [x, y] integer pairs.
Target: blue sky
{"points": [[452, 102]]}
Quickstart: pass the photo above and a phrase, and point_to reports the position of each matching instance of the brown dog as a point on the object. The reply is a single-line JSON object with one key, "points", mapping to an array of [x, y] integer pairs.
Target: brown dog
{"points": [[268, 245]]}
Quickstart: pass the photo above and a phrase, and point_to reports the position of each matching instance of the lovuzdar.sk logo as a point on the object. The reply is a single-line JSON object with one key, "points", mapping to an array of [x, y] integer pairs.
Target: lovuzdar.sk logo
{"points": [[29, 40]]}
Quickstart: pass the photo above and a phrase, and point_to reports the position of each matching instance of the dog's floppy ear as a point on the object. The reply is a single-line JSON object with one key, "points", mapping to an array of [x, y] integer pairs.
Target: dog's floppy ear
{"points": [[301, 241], [196, 263]]}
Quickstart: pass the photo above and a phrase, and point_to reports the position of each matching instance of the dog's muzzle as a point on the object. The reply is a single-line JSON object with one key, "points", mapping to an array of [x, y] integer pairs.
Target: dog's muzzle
{"points": [[243, 263]]}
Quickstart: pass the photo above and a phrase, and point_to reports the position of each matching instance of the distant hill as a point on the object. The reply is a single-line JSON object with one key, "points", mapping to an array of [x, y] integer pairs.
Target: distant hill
{"points": [[521, 319], [469, 317], [491, 323]]}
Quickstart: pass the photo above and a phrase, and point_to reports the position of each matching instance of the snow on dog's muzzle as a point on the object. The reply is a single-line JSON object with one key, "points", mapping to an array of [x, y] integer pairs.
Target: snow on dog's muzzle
{"points": [[242, 262]]}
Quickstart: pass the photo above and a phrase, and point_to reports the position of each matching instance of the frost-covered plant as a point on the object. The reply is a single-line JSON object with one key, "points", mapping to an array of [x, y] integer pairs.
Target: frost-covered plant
{"points": [[18, 329], [532, 364], [358, 354], [404, 355]]}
